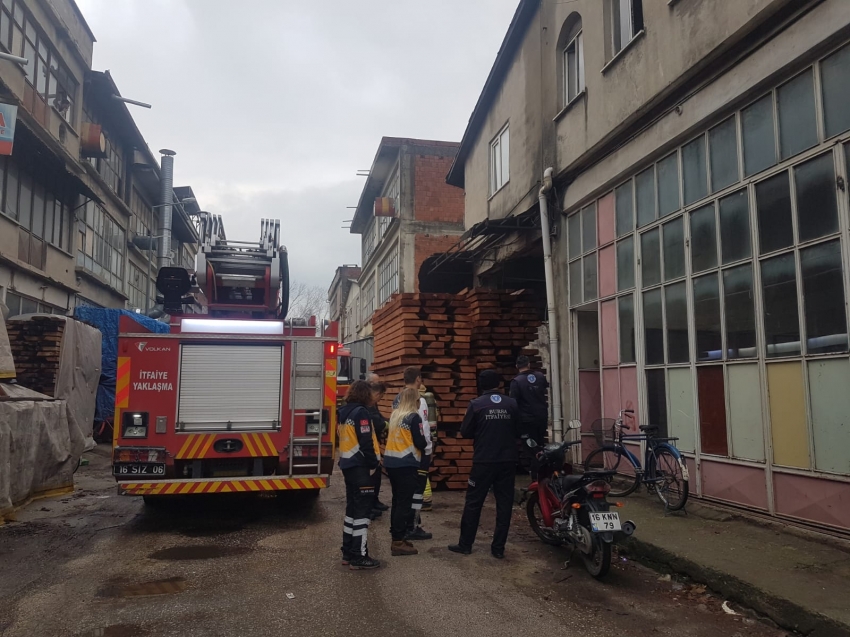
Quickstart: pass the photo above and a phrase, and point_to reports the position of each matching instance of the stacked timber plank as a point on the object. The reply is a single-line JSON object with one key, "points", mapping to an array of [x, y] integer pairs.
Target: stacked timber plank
{"points": [[451, 337], [36, 348]]}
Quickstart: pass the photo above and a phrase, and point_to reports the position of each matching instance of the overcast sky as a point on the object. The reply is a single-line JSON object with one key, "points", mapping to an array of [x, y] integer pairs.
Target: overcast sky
{"points": [[273, 105]]}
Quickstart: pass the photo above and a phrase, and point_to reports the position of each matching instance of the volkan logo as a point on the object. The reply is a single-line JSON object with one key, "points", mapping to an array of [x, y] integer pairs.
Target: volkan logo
{"points": [[496, 398], [143, 348]]}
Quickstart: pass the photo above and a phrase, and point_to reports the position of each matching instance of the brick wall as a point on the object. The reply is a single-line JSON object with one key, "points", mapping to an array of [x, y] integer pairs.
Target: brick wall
{"points": [[434, 199], [426, 245]]}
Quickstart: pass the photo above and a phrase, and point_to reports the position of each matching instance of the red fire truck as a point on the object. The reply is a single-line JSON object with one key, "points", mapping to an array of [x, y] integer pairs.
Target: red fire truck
{"points": [[241, 399]]}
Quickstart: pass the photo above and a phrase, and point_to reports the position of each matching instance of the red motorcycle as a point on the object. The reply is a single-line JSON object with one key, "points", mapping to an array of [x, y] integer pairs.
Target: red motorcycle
{"points": [[573, 510]]}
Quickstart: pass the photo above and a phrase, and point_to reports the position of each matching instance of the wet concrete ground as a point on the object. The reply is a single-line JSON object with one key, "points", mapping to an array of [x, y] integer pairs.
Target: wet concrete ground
{"points": [[96, 564]]}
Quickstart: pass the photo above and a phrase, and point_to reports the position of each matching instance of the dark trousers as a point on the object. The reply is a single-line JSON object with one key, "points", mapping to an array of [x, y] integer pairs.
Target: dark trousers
{"points": [[500, 476], [376, 482], [419, 494], [403, 481], [359, 495]]}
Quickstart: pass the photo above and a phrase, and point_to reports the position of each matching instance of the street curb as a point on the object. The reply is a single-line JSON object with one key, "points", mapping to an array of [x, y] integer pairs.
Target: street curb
{"points": [[784, 612]]}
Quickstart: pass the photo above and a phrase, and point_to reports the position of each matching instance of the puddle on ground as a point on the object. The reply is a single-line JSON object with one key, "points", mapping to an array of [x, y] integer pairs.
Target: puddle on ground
{"points": [[142, 589], [116, 630], [198, 552]]}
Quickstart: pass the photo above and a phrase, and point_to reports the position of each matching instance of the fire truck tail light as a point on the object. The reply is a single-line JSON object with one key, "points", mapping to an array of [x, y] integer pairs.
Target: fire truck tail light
{"points": [[134, 454], [333, 349]]}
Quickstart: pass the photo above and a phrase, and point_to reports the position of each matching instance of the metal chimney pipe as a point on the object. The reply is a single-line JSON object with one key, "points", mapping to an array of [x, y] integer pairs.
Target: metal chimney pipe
{"points": [[166, 182]]}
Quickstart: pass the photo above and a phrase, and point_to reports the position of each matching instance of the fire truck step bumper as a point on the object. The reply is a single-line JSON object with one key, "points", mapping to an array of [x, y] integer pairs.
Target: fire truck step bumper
{"points": [[221, 485]]}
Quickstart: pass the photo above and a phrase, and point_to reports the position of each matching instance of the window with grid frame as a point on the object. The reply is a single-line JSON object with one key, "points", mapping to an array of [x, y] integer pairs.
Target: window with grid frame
{"points": [[21, 304], [136, 282], [369, 240], [47, 74], [388, 278], [393, 191], [39, 204], [574, 68], [368, 299], [761, 274], [500, 164], [101, 245], [143, 222], [111, 167]]}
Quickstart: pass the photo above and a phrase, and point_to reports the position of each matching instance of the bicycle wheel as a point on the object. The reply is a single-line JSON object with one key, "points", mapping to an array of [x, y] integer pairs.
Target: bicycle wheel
{"points": [[614, 459], [671, 487]]}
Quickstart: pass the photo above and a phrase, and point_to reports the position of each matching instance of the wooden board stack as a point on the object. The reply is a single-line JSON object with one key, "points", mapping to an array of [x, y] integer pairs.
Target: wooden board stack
{"points": [[452, 337], [36, 348]]}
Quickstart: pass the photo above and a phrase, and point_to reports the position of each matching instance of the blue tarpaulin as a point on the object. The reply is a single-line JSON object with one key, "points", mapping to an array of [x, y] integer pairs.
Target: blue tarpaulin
{"points": [[106, 320]]}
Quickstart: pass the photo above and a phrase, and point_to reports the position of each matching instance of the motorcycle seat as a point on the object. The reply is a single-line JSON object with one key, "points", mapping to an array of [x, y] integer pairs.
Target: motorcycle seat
{"points": [[568, 482]]}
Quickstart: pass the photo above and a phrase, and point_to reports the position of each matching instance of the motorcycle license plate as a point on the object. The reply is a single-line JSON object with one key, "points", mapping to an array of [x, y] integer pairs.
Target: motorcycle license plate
{"points": [[604, 522], [139, 469]]}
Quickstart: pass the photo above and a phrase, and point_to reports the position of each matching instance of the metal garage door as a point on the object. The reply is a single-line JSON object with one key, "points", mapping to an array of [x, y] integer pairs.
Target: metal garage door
{"points": [[230, 387]]}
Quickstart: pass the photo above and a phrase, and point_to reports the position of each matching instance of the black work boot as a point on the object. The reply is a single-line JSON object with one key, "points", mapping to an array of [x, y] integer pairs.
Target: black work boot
{"points": [[457, 548], [361, 563], [418, 534]]}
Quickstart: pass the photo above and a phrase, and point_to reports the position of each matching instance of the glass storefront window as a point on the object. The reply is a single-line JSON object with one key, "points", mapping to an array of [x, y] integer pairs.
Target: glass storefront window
{"points": [[703, 238], [781, 321]]}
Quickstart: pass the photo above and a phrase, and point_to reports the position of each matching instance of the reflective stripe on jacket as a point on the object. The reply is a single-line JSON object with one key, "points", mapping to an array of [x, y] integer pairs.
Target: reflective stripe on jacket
{"points": [[405, 443], [358, 445]]}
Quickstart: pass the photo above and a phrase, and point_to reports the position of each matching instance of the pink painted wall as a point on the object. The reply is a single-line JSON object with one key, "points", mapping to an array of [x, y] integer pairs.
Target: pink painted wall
{"points": [[607, 272], [610, 392], [590, 408], [590, 398], [610, 344], [629, 394], [734, 483], [813, 499], [605, 218]]}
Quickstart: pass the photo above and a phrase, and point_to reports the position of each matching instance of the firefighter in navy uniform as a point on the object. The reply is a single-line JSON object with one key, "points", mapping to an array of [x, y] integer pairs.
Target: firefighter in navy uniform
{"points": [[528, 389], [359, 459], [492, 421]]}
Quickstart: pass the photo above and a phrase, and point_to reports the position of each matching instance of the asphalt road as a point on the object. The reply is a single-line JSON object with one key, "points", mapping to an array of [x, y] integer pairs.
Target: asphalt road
{"points": [[94, 563]]}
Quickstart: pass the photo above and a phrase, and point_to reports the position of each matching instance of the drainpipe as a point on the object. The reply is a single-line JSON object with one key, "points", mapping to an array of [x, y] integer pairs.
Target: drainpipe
{"points": [[554, 359], [166, 182]]}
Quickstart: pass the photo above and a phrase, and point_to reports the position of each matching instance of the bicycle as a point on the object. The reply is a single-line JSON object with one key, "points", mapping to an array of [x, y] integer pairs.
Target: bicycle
{"points": [[666, 473]]}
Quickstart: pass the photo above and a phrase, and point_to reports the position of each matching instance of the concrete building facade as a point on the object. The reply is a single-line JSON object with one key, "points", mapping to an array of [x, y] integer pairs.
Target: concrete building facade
{"points": [[701, 235], [339, 309], [423, 216], [81, 184]]}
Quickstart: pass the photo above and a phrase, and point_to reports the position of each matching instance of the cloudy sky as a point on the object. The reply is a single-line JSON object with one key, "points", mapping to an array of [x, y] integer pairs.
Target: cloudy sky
{"points": [[273, 105]]}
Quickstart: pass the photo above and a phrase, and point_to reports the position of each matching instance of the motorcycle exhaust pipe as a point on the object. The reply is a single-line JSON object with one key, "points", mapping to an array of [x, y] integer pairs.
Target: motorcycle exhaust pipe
{"points": [[628, 528]]}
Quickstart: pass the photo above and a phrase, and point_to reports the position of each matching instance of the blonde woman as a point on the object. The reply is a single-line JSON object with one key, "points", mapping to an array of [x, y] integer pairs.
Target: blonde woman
{"points": [[403, 458]]}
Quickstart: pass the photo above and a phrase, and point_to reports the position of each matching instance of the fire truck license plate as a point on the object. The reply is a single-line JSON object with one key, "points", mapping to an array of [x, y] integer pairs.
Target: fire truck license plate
{"points": [[602, 522], [139, 470]]}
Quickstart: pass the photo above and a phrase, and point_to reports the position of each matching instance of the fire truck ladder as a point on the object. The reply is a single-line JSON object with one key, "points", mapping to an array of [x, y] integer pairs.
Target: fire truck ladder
{"points": [[307, 397], [243, 276]]}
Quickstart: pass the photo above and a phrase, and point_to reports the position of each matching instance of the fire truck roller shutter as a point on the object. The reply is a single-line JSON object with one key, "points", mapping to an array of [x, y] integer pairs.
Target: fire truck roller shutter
{"points": [[235, 384]]}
